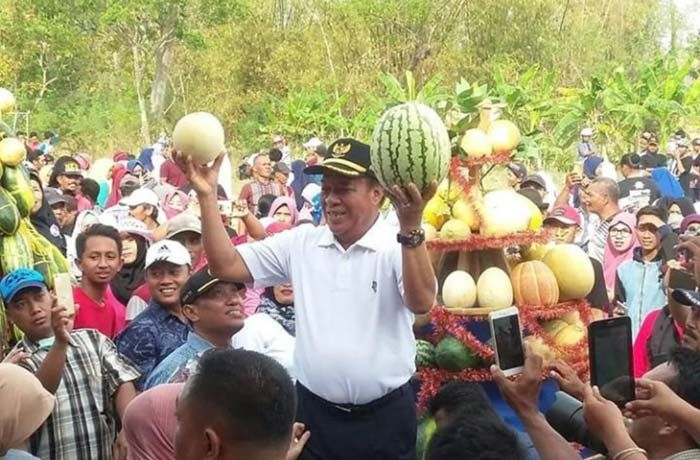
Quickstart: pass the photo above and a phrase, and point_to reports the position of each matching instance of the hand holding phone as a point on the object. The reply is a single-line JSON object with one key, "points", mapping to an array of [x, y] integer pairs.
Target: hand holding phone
{"points": [[507, 340], [610, 356]]}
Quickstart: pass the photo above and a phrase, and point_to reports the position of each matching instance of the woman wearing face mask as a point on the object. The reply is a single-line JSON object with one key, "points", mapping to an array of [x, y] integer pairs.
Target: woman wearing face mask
{"points": [[619, 246], [278, 303], [677, 208], [135, 241]]}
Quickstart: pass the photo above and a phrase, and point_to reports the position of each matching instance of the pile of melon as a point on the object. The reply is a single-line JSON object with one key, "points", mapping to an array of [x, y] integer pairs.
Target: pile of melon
{"points": [[501, 136], [564, 273], [450, 215]]}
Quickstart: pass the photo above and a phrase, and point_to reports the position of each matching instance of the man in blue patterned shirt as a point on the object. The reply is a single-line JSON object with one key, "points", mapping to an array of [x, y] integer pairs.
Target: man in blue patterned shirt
{"points": [[161, 327], [214, 309]]}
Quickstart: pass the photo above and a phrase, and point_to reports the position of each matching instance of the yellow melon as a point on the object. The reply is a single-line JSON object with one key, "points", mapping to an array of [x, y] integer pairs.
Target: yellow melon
{"points": [[564, 334], [459, 290], [7, 100], [504, 136], [463, 210], [436, 212], [573, 270], [476, 143], [493, 289], [455, 229], [449, 191], [12, 151], [540, 348]]}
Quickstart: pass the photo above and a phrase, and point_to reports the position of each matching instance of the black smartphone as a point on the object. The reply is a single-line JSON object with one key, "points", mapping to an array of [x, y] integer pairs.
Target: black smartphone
{"points": [[610, 356], [679, 279]]}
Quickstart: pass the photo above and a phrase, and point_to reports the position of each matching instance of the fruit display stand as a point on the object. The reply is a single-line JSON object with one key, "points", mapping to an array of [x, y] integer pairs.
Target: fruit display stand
{"points": [[456, 341]]}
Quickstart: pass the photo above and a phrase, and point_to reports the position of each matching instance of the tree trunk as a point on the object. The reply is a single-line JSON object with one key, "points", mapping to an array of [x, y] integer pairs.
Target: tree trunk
{"points": [[159, 89], [138, 80]]}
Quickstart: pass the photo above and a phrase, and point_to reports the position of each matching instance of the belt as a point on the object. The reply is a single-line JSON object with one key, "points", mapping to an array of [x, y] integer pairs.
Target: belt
{"points": [[359, 409]]}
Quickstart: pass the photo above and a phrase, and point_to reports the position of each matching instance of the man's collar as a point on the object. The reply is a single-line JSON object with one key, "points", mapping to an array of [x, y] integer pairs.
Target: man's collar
{"points": [[372, 239]]}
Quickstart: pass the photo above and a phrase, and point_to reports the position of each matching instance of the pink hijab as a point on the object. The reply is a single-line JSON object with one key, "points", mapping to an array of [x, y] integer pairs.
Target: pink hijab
{"points": [[149, 423], [612, 257], [170, 211], [287, 201]]}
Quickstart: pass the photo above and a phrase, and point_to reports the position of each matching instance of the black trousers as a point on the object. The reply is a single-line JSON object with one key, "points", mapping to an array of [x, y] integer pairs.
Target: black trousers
{"points": [[384, 429]]}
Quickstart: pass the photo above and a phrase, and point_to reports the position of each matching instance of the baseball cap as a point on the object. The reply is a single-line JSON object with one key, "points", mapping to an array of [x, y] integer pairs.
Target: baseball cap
{"points": [[313, 143], [686, 297], [687, 220], [131, 226], [565, 214], [167, 251], [347, 156], [18, 280], [534, 179], [141, 196], [534, 196], [129, 180], [54, 196], [517, 168], [68, 167], [199, 283], [184, 222]]}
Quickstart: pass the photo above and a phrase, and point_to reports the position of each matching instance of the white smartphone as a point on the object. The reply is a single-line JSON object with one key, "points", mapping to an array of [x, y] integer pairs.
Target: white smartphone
{"points": [[64, 292], [507, 340], [225, 207]]}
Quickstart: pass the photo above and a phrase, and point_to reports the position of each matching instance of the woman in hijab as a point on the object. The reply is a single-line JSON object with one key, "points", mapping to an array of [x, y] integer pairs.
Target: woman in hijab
{"points": [[619, 247], [135, 241], [146, 158], [83, 221], [174, 202], [278, 303], [301, 180], [101, 172], [25, 406], [677, 208], [42, 217], [284, 210], [149, 423], [135, 167], [115, 194]]}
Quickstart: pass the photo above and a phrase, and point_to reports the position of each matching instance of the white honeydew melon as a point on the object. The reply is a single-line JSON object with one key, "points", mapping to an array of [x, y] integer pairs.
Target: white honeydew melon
{"points": [[455, 229], [504, 212], [494, 289], [7, 100], [476, 143], [430, 232], [12, 151], [503, 135], [199, 134], [463, 210], [459, 290]]}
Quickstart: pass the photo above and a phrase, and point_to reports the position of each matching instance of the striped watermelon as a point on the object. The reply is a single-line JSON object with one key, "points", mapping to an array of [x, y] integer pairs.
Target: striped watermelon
{"points": [[410, 144], [425, 354]]}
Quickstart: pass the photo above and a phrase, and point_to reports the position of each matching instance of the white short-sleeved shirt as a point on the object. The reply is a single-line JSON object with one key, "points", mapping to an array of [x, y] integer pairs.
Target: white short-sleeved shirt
{"points": [[354, 336]]}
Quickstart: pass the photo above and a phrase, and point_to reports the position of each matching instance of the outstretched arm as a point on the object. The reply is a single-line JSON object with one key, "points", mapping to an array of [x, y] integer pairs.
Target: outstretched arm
{"points": [[224, 260]]}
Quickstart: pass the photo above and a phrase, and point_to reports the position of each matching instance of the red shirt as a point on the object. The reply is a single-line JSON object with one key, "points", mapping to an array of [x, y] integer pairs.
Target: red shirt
{"points": [[640, 355], [172, 174], [109, 317]]}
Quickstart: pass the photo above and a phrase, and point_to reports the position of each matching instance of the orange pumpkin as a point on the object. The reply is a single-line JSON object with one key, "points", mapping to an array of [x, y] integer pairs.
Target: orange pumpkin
{"points": [[534, 283]]}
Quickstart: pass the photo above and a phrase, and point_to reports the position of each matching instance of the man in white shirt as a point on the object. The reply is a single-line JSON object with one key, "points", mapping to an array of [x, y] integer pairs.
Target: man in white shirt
{"points": [[357, 285]]}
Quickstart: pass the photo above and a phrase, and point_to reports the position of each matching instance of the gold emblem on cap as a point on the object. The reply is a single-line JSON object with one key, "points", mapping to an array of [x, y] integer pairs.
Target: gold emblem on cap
{"points": [[340, 149]]}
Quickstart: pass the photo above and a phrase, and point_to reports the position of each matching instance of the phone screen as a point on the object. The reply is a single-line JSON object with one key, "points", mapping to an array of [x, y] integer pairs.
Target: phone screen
{"points": [[509, 342], [610, 351], [64, 292]]}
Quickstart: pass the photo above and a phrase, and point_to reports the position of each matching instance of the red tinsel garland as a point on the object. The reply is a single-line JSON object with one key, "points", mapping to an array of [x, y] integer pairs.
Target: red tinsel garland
{"points": [[457, 176], [478, 242], [495, 159]]}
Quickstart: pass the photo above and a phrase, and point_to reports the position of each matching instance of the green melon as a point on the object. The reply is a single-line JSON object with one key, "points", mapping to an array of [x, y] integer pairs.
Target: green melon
{"points": [[15, 179], [453, 355], [9, 215], [410, 143], [425, 354]]}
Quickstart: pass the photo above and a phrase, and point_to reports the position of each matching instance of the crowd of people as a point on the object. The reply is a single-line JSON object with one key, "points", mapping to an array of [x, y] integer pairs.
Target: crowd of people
{"points": [[278, 323]]}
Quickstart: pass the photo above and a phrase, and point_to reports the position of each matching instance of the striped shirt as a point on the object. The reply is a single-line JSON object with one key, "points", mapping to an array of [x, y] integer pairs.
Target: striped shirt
{"points": [[599, 238], [82, 425]]}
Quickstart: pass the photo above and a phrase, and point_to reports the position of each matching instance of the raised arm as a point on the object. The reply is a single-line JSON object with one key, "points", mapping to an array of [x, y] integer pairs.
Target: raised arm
{"points": [[51, 370], [417, 271], [224, 260]]}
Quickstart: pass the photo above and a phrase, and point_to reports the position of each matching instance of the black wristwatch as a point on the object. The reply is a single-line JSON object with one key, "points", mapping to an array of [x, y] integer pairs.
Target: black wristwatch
{"points": [[414, 238]]}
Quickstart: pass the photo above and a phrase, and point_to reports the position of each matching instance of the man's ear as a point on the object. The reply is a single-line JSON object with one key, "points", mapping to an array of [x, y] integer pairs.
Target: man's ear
{"points": [[213, 445], [190, 312]]}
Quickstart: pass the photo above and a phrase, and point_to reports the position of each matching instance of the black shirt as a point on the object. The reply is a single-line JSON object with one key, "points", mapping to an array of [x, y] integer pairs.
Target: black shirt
{"points": [[638, 192]]}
